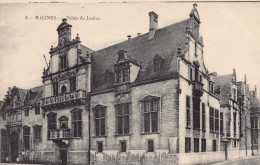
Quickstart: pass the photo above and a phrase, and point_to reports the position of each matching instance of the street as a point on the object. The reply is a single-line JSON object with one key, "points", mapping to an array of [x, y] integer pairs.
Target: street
{"points": [[254, 160]]}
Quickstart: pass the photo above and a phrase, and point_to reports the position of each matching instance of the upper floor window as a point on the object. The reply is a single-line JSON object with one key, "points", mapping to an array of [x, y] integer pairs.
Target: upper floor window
{"points": [[188, 123], [211, 119], [196, 113], [76, 122], [150, 109], [122, 111], [37, 110], [122, 75], [100, 120], [63, 122], [216, 120], [191, 74], [63, 89], [235, 122], [51, 122], [63, 62], [221, 123], [55, 88], [26, 137], [158, 63], [203, 117], [73, 83], [254, 122], [26, 112], [37, 130]]}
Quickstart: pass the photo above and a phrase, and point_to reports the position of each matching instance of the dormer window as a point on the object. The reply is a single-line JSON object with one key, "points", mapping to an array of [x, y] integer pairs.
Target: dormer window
{"points": [[122, 75], [157, 63]]}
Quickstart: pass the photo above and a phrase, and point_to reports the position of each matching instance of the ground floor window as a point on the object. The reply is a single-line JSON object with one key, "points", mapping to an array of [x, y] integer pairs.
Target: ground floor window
{"points": [[187, 145], [203, 145], [150, 146], [214, 145], [100, 146], [123, 146], [196, 145]]}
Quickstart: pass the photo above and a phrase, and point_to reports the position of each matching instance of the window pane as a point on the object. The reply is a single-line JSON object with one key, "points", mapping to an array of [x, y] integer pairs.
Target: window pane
{"points": [[96, 113], [154, 121], [146, 122], [126, 109], [97, 127], [155, 105], [146, 106], [150, 146], [119, 110], [126, 124], [102, 113], [123, 146], [120, 125], [103, 126]]}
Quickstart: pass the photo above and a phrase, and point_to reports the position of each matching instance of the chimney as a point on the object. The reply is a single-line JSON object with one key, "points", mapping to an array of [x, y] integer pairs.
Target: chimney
{"points": [[129, 37], [214, 73], [138, 34], [153, 25]]}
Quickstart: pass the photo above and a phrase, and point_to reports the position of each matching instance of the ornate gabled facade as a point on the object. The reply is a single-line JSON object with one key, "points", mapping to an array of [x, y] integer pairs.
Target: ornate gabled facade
{"points": [[21, 116], [66, 84], [236, 114]]}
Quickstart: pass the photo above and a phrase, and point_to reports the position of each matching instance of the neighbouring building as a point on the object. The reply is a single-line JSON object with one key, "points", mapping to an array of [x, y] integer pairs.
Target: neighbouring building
{"points": [[22, 123], [245, 116], [235, 116], [149, 99], [255, 118]]}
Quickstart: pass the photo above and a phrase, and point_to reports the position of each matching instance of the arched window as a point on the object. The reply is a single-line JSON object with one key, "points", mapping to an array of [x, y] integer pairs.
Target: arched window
{"points": [[63, 89]]}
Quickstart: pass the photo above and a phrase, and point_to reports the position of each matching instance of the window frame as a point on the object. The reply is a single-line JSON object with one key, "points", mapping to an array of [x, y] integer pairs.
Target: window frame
{"points": [[123, 149], [51, 123], [203, 145], [149, 102], [187, 144], [203, 116], [150, 145], [100, 118], [26, 137], [37, 110], [124, 115], [216, 120], [211, 119], [214, 145], [73, 83], [196, 142], [221, 123], [27, 112], [37, 132], [76, 121], [188, 114]]}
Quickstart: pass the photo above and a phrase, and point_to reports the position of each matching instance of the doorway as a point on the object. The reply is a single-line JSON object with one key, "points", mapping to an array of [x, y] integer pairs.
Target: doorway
{"points": [[63, 154], [14, 146]]}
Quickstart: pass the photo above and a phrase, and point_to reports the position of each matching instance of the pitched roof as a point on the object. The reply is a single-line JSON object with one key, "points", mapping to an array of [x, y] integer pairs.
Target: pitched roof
{"points": [[142, 50], [33, 96], [225, 86]]}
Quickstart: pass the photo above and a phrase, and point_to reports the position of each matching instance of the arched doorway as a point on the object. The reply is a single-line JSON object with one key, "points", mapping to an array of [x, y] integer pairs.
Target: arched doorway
{"points": [[14, 146]]}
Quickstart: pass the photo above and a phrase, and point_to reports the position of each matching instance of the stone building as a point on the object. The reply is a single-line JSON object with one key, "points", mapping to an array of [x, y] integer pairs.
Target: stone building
{"points": [[245, 116], [154, 95], [22, 123], [235, 115], [255, 118], [148, 99]]}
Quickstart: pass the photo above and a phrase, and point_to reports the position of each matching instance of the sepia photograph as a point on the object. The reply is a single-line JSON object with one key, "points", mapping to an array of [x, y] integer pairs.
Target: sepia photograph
{"points": [[130, 83]]}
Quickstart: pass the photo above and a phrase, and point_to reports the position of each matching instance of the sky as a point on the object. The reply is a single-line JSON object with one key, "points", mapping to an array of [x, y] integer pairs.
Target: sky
{"points": [[230, 33]]}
